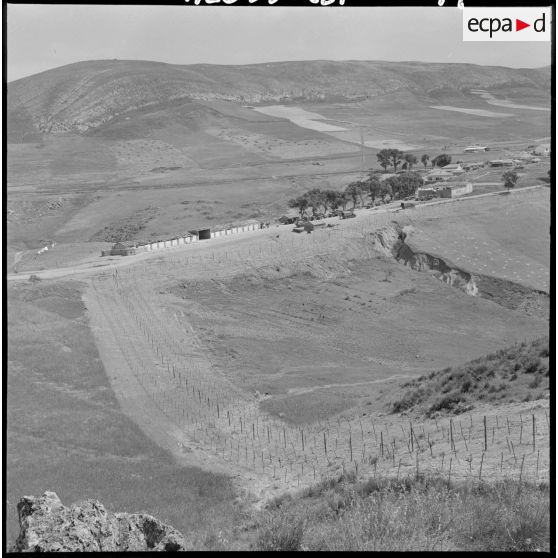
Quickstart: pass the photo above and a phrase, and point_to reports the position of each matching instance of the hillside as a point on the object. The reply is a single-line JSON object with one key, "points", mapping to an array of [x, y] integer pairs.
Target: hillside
{"points": [[82, 96], [519, 373]]}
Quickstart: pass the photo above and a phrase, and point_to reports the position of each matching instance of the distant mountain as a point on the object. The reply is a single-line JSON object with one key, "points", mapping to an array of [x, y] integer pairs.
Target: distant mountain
{"points": [[84, 96]]}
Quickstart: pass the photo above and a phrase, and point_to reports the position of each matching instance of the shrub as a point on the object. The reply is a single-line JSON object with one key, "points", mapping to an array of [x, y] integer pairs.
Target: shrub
{"points": [[281, 532], [446, 403], [532, 366], [536, 381]]}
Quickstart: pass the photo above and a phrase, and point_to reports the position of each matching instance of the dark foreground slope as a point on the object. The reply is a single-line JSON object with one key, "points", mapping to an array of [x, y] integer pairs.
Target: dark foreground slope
{"points": [[67, 433]]}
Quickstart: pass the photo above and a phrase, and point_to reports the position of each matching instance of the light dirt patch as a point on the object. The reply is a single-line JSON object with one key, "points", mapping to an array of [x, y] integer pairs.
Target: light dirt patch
{"points": [[300, 117], [474, 112], [492, 100]]}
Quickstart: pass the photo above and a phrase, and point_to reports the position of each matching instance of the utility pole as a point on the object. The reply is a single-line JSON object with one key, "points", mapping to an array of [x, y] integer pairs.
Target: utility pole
{"points": [[361, 150]]}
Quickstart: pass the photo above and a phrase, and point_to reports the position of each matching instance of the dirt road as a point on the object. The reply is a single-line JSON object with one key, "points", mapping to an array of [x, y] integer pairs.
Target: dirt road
{"points": [[100, 265]]}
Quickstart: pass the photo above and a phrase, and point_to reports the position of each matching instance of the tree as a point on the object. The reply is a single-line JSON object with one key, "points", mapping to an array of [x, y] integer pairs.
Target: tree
{"points": [[424, 159], [441, 160], [405, 185], [384, 158], [316, 200], [410, 160], [395, 156], [343, 199], [354, 190], [373, 187], [332, 199], [385, 189], [510, 179], [300, 203]]}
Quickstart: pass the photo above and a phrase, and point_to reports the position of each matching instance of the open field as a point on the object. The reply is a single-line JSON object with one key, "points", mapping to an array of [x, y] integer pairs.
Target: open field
{"points": [[501, 236]]}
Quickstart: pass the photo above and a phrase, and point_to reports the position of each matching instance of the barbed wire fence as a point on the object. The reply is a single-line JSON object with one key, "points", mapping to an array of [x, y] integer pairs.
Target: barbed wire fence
{"points": [[168, 361]]}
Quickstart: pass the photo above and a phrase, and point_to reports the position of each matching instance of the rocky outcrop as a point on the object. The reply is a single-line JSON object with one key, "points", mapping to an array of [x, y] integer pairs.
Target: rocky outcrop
{"points": [[46, 525]]}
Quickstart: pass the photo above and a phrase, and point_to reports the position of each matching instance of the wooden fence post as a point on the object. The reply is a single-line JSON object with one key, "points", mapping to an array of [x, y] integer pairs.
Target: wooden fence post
{"points": [[533, 432]]}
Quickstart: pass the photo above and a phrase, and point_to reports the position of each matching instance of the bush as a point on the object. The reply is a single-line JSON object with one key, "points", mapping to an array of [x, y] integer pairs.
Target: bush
{"points": [[532, 366], [535, 382], [501, 518], [446, 403], [281, 532]]}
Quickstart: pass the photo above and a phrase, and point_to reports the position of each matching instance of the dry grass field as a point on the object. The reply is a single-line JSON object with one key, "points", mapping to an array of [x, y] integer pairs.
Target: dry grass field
{"points": [[501, 236]]}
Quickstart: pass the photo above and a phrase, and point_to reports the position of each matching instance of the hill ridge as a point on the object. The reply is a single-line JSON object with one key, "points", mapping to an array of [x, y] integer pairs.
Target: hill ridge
{"points": [[85, 95]]}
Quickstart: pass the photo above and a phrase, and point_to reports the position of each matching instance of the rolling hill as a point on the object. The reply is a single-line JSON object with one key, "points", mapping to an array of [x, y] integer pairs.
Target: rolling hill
{"points": [[83, 96]]}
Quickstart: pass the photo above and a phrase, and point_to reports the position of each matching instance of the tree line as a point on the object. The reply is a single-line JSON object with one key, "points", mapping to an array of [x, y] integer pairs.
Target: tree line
{"points": [[317, 202], [395, 157]]}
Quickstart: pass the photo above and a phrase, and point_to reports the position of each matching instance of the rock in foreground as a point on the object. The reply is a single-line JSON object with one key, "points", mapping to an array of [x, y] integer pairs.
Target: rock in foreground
{"points": [[46, 525]]}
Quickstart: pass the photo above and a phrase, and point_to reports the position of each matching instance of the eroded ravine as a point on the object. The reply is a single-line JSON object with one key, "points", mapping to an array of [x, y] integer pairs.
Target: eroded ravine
{"points": [[393, 242]]}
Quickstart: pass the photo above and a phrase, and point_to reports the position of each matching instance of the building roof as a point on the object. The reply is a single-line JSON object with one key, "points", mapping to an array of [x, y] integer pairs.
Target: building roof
{"points": [[123, 245], [452, 166], [439, 172], [454, 184]]}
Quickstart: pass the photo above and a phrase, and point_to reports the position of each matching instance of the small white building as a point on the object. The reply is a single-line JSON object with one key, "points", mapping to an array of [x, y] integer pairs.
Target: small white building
{"points": [[542, 149], [473, 165], [454, 168], [455, 189], [501, 163], [438, 175], [475, 149]]}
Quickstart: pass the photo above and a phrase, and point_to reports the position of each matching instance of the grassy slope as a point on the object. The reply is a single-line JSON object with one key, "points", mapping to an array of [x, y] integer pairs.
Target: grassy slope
{"points": [[519, 373], [408, 515], [65, 430]]}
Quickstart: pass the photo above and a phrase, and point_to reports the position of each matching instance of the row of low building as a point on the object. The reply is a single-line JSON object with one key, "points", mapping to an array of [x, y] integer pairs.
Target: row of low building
{"points": [[130, 248], [541, 150]]}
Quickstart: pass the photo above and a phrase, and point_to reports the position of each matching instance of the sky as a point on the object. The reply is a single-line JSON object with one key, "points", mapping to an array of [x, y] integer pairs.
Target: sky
{"points": [[40, 37]]}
